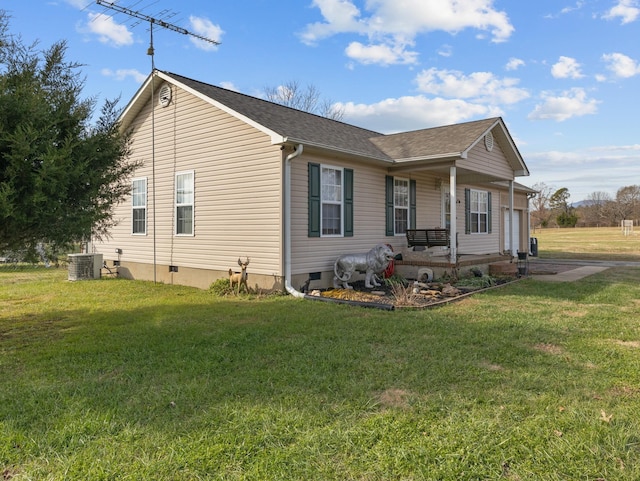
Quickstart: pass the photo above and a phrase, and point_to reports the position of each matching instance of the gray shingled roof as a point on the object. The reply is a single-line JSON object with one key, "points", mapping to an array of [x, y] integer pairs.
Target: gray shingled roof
{"points": [[437, 141], [312, 130], [291, 123]]}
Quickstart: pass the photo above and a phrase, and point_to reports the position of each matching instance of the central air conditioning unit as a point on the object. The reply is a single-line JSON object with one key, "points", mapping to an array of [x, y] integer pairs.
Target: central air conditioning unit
{"points": [[84, 266]]}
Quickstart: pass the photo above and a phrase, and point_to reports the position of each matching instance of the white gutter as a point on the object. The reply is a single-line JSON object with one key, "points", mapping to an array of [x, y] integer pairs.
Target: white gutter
{"points": [[354, 153], [287, 222]]}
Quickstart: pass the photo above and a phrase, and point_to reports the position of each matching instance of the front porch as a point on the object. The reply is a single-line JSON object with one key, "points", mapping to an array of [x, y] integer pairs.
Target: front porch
{"points": [[439, 262]]}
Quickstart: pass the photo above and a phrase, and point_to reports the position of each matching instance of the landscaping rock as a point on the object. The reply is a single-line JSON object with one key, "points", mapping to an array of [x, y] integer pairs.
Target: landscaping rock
{"points": [[449, 291]]}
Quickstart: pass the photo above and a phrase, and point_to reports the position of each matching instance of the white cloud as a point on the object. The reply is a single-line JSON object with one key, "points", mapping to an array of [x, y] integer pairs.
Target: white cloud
{"points": [[123, 74], [481, 87], [340, 15], [621, 65], [619, 148], [566, 10], [380, 54], [584, 171], [447, 97], [566, 67], [80, 4], [445, 51], [229, 86], [205, 28], [571, 103], [627, 10], [577, 6], [392, 26], [108, 30], [514, 63], [413, 112]]}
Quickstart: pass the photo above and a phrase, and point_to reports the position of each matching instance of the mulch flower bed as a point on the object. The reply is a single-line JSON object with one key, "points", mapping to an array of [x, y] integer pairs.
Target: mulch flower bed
{"points": [[430, 294], [410, 294]]}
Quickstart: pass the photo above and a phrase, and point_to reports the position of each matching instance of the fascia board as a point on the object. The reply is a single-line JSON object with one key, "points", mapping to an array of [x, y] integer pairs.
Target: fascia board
{"points": [[330, 148], [479, 139], [275, 137]]}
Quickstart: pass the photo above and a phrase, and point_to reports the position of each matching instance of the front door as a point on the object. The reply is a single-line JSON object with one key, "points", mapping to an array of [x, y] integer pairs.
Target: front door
{"points": [[516, 231]]}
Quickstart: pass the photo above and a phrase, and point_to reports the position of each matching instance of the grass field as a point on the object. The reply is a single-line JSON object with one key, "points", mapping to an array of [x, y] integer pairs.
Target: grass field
{"points": [[588, 243], [125, 380]]}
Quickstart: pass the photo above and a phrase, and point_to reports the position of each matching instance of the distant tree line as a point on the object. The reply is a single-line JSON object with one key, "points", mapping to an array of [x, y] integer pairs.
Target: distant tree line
{"points": [[551, 208]]}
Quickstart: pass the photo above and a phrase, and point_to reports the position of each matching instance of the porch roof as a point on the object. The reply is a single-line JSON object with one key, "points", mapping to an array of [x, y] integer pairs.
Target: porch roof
{"points": [[439, 147]]}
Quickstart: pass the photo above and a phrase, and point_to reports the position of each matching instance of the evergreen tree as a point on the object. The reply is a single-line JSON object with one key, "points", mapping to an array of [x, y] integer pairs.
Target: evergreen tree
{"points": [[559, 202], [60, 173]]}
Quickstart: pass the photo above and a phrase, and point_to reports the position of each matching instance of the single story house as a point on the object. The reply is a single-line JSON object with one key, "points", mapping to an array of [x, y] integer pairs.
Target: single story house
{"points": [[227, 176]]}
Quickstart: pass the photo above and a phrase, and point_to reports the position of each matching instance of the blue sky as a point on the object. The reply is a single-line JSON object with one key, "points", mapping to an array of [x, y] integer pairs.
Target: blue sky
{"points": [[564, 75]]}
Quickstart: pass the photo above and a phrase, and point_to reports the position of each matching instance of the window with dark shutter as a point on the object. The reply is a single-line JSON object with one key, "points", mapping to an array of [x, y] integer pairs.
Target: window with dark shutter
{"points": [[314, 200], [331, 197]]}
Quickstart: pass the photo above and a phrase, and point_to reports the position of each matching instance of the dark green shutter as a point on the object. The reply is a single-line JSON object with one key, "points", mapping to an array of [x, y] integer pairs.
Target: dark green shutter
{"points": [[389, 220], [412, 204], [467, 211], [314, 200], [348, 202], [489, 212]]}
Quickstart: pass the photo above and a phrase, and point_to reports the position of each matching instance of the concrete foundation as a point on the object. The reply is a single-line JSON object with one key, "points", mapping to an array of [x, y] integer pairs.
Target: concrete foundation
{"points": [[188, 276]]}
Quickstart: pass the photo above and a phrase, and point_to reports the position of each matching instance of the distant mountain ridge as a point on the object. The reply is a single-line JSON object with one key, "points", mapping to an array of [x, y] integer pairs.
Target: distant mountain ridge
{"points": [[583, 203]]}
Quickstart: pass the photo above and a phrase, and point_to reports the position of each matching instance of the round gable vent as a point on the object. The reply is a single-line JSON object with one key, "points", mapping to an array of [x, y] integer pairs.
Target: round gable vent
{"points": [[165, 95], [488, 141]]}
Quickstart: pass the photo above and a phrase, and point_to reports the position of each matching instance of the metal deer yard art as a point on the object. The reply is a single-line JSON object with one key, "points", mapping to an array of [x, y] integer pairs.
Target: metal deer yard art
{"points": [[239, 278]]}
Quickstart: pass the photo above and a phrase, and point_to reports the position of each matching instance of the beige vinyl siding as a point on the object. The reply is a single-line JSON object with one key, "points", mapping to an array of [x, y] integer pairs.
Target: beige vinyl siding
{"points": [[428, 202], [312, 254], [493, 163], [237, 180], [519, 200], [479, 243]]}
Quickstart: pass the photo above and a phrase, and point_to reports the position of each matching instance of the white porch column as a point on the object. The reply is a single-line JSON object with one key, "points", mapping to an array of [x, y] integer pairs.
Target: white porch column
{"points": [[453, 206], [511, 246]]}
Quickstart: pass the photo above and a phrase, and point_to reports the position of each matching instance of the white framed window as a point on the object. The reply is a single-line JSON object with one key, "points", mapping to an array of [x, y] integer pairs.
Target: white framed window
{"points": [[331, 201], [400, 206], [479, 211], [139, 206], [184, 210]]}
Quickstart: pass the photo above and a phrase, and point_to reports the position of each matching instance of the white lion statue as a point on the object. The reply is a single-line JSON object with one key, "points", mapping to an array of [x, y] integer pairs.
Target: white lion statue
{"points": [[371, 263]]}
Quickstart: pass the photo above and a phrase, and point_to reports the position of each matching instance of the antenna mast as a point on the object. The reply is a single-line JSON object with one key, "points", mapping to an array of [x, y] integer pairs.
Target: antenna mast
{"points": [[153, 21], [164, 24]]}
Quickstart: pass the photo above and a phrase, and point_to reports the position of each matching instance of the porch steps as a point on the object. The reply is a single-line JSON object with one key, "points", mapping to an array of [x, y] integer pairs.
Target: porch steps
{"points": [[412, 262], [443, 261]]}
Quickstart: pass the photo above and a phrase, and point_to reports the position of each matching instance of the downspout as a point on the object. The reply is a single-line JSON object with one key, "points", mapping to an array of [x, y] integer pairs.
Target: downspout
{"points": [[287, 221]]}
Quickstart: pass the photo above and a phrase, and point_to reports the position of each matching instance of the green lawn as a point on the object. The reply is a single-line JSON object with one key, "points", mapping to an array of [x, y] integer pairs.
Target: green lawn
{"points": [[588, 243], [124, 380]]}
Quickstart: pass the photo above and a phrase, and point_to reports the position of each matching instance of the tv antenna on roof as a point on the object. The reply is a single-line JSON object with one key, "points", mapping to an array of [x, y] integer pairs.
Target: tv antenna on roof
{"points": [[154, 21], [169, 26]]}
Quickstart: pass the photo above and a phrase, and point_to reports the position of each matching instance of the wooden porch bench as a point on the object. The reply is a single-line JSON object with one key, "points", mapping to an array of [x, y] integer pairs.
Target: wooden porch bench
{"points": [[428, 237]]}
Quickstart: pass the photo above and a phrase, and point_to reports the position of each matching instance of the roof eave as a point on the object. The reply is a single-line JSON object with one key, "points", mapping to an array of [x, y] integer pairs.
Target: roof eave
{"points": [[330, 148], [135, 104], [475, 142], [144, 93], [442, 156]]}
